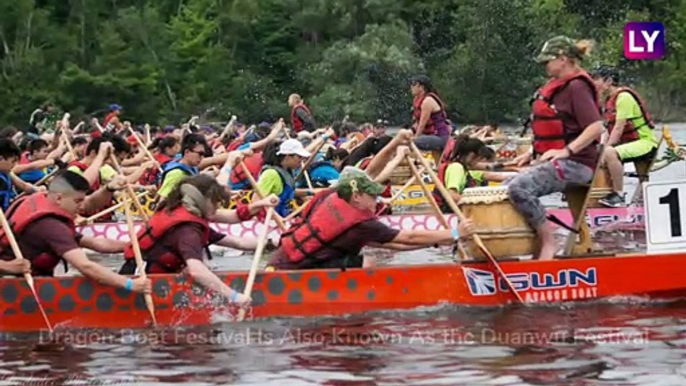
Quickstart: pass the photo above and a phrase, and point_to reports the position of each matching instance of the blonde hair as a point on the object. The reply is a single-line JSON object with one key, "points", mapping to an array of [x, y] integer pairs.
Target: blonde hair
{"points": [[583, 48]]}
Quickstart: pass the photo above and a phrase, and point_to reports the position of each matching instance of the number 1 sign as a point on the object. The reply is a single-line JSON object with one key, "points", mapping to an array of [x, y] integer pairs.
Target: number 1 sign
{"points": [[664, 218]]}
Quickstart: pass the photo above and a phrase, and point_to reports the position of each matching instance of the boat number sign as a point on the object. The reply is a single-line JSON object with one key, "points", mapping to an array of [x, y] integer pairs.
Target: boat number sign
{"points": [[665, 220]]}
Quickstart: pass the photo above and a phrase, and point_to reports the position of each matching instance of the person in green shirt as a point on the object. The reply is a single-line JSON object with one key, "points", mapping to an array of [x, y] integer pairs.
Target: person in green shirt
{"points": [[277, 175], [193, 148], [631, 136]]}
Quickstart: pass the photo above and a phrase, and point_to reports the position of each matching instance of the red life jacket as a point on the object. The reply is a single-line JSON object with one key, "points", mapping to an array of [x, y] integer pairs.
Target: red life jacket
{"points": [[254, 163], [449, 146], [547, 123], [430, 127], [160, 223], [107, 120], [364, 163], [150, 176], [27, 210], [630, 132], [325, 218], [233, 145], [24, 159], [298, 123]]}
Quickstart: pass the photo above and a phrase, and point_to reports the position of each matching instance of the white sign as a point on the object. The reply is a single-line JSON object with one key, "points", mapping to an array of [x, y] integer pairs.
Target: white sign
{"points": [[665, 209]]}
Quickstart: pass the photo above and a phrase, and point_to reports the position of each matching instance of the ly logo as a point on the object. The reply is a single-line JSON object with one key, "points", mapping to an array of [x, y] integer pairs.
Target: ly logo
{"points": [[644, 40]]}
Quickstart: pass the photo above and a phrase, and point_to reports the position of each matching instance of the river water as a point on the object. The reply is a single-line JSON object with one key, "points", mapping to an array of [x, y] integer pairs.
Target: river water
{"points": [[617, 342]]}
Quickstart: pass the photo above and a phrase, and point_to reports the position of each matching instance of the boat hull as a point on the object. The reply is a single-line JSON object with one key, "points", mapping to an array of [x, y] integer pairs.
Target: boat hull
{"points": [[76, 302], [625, 218]]}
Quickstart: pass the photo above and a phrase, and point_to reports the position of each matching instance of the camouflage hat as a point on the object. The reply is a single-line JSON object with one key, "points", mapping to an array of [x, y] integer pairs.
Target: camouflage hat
{"points": [[354, 180], [555, 47]]}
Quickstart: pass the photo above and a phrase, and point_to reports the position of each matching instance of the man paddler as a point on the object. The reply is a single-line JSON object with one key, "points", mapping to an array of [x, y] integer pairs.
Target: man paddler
{"points": [[631, 130], [193, 148], [43, 225], [301, 116], [566, 125], [338, 222]]}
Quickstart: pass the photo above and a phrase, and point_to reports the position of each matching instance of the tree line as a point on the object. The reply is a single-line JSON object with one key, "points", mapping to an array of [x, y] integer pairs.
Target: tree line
{"points": [[165, 60]]}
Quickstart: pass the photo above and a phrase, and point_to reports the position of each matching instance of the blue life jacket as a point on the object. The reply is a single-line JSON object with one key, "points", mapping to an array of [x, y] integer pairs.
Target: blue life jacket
{"points": [[288, 193], [173, 165], [7, 193], [32, 176], [320, 175]]}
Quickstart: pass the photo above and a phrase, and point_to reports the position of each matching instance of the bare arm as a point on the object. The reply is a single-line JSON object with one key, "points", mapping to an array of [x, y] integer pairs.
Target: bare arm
{"points": [[428, 106], [240, 243], [200, 273], [102, 245], [20, 168], [590, 134], [78, 259], [616, 132]]}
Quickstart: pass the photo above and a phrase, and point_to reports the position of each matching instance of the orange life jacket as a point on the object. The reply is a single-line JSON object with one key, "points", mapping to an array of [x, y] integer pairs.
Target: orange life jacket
{"points": [[298, 123], [630, 132], [27, 210], [325, 218], [547, 123], [239, 179], [160, 223]]}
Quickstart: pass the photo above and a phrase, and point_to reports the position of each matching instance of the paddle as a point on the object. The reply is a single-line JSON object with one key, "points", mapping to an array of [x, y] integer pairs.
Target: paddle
{"points": [[145, 148], [307, 163], [139, 260], [18, 255], [256, 189], [127, 200], [256, 260], [130, 191], [434, 204], [451, 203], [399, 192]]}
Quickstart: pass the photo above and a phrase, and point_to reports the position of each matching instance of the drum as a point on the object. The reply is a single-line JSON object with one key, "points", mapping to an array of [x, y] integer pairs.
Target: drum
{"points": [[602, 186], [503, 230]]}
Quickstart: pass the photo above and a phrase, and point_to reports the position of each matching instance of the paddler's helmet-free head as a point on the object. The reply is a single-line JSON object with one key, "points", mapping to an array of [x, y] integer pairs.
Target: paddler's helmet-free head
{"points": [[605, 77], [357, 188]]}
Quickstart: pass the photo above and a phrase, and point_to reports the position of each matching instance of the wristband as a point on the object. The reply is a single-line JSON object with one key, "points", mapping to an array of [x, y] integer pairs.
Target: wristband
{"points": [[325, 137], [234, 296], [569, 149], [455, 233], [107, 186], [129, 284]]}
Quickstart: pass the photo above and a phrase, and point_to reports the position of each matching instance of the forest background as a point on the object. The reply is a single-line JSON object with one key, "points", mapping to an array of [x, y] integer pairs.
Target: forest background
{"points": [[165, 60]]}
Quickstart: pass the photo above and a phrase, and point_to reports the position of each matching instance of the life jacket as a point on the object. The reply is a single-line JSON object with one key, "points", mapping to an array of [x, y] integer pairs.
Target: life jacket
{"points": [[153, 176], [471, 183], [325, 218], [238, 178], [318, 182], [7, 192], [364, 162], [30, 176], [630, 132], [296, 122], [234, 145], [27, 210], [160, 223], [106, 122], [449, 146], [288, 193], [436, 125], [173, 165], [547, 123]]}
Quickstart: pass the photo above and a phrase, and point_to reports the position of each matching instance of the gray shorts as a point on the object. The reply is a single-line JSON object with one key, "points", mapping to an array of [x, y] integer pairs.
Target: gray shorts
{"points": [[542, 180]]}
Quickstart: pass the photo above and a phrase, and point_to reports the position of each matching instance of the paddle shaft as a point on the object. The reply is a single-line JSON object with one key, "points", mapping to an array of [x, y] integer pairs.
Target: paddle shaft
{"points": [[434, 204], [309, 160], [145, 148], [451, 203], [261, 243], [127, 200], [256, 188], [18, 255], [130, 191], [139, 257], [399, 192]]}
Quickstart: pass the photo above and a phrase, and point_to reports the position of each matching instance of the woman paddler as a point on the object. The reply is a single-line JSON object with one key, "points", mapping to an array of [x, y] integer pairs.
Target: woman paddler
{"points": [[165, 149], [179, 234], [338, 222], [429, 118], [277, 176], [566, 125]]}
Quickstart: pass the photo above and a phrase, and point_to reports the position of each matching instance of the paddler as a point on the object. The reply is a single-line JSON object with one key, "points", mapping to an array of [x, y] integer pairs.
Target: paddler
{"points": [[179, 233], [566, 125], [328, 169], [111, 121], [301, 116], [43, 225], [193, 147], [35, 161], [429, 118], [631, 130], [338, 222], [165, 149], [277, 176], [9, 155]]}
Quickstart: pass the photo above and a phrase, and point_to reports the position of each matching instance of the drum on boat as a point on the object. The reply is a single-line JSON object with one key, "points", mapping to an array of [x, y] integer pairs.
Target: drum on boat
{"points": [[503, 230]]}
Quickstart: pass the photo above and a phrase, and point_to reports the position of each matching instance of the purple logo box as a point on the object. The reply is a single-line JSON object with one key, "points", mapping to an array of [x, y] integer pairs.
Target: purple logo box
{"points": [[644, 40]]}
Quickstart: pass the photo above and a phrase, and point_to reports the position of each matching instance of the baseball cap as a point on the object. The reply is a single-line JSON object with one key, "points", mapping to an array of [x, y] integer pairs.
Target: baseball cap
{"points": [[555, 47], [293, 146], [114, 107], [353, 180]]}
